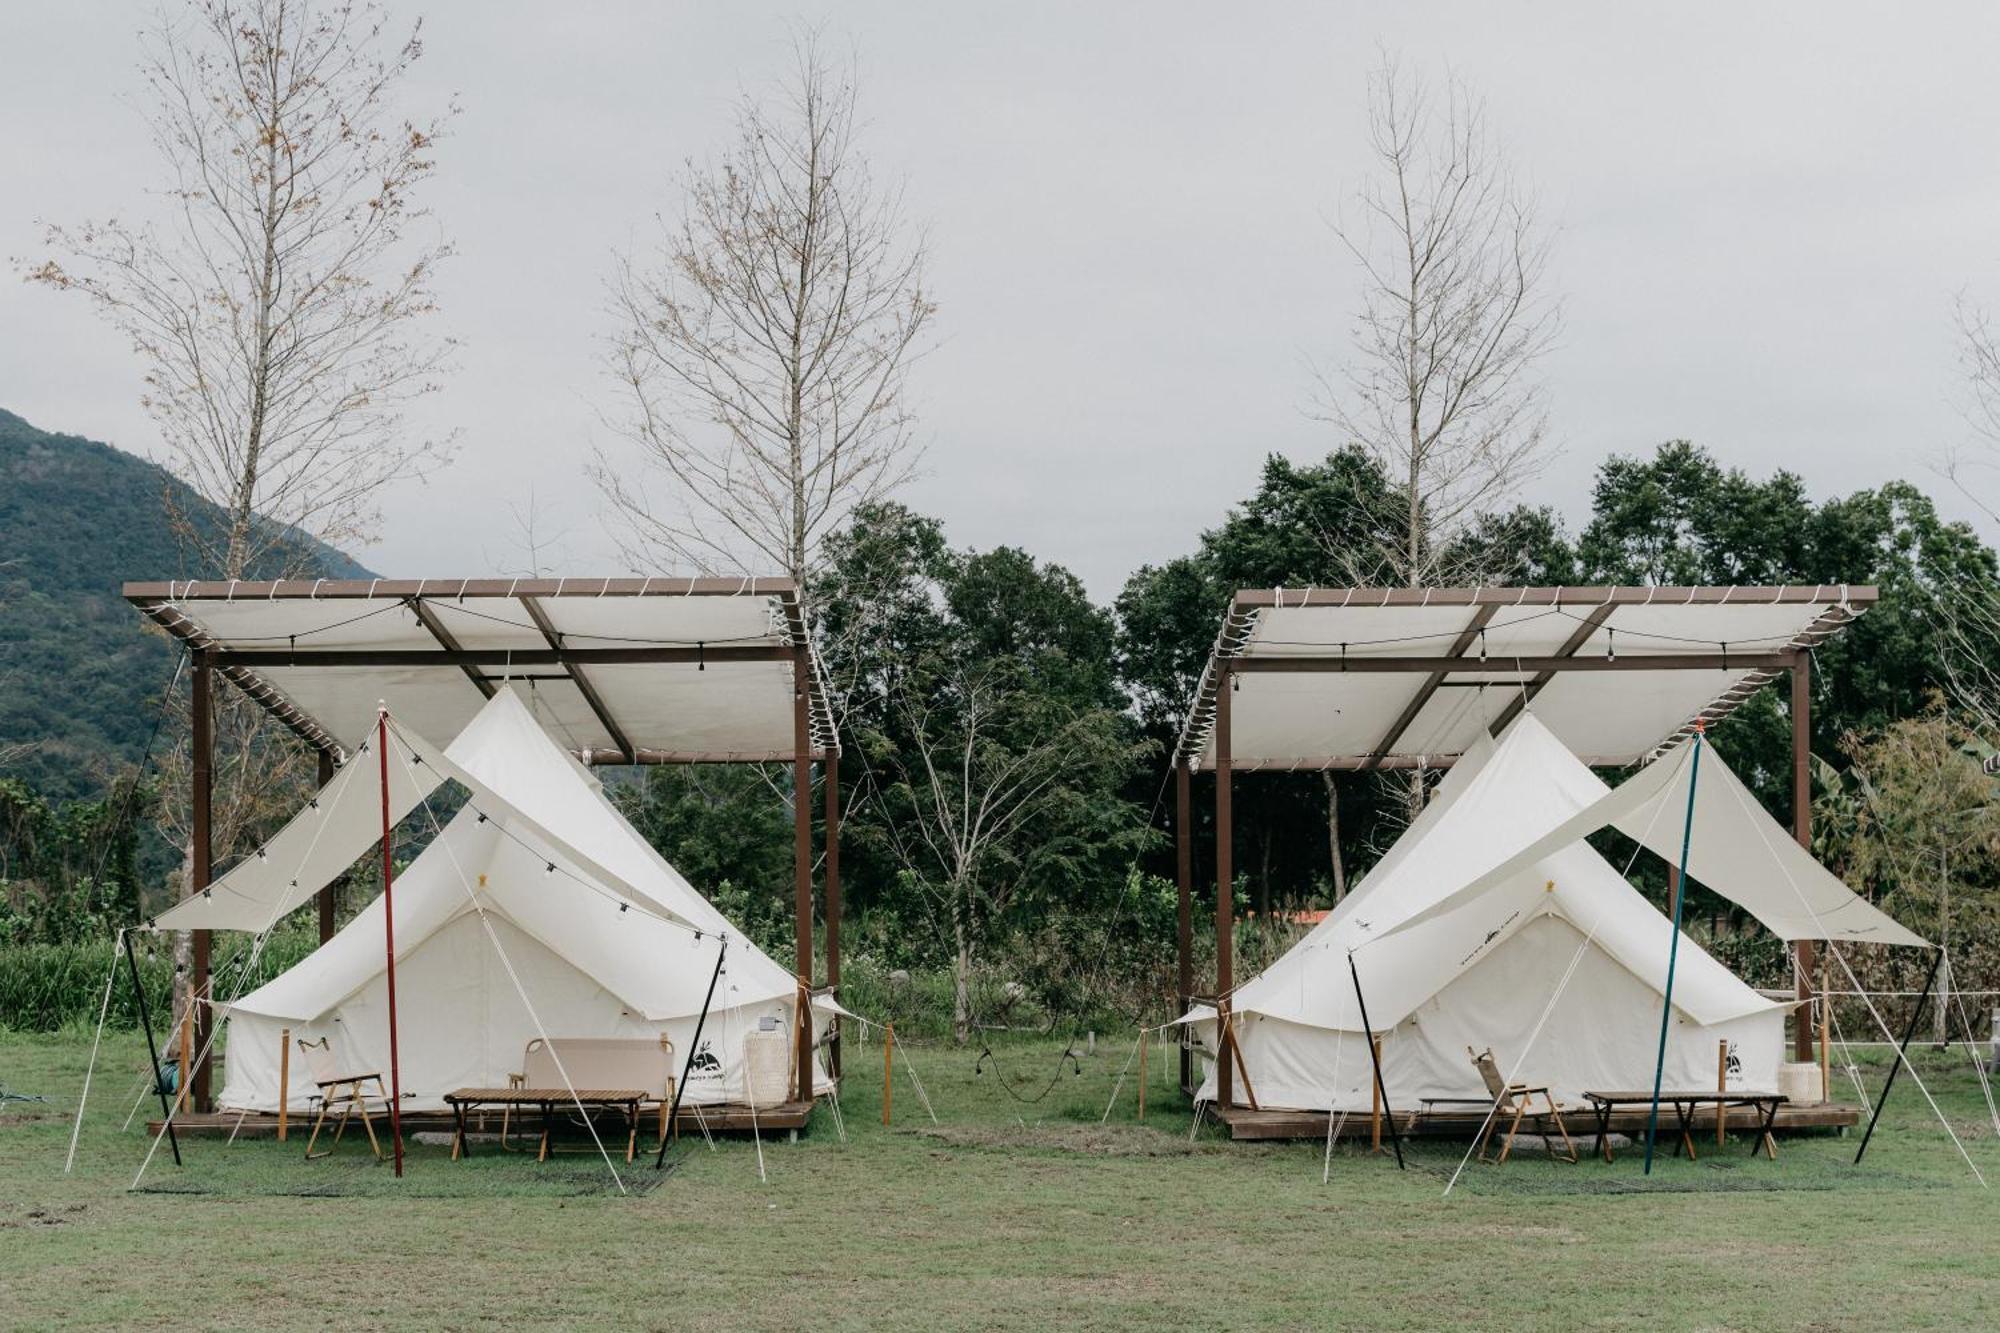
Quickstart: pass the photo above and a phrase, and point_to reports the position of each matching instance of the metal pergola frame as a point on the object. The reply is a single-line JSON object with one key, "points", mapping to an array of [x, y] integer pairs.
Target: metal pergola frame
{"points": [[1208, 722], [814, 737]]}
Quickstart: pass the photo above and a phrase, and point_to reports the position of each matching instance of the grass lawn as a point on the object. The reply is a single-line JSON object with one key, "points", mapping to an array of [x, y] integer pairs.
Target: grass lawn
{"points": [[1010, 1213]]}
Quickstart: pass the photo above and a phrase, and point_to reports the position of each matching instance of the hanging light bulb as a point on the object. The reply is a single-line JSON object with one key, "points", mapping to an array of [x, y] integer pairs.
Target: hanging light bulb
{"points": [[1610, 644]]}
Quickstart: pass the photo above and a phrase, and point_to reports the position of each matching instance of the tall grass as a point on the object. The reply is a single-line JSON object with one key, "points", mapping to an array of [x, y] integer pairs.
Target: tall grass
{"points": [[47, 987]]}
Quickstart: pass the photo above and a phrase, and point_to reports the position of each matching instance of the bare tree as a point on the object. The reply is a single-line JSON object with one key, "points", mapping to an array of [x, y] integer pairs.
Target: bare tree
{"points": [[761, 347], [276, 304], [274, 301], [1968, 616], [1440, 386]]}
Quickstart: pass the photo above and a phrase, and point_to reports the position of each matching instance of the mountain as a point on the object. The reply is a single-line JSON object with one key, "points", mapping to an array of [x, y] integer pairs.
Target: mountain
{"points": [[80, 672]]}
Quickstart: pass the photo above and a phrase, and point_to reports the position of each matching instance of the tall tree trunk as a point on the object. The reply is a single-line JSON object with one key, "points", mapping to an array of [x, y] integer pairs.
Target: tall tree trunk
{"points": [[1333, 856], [961, 982]]}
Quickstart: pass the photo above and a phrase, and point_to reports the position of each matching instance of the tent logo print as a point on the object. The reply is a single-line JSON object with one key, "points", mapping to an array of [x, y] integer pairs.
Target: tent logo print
{"points": [[1733, 1065], [705, 1065]]}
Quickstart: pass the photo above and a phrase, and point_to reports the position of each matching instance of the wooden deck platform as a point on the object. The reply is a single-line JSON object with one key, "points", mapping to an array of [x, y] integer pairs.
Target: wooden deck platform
{"points": [[1245, 1123], [733, 1118]]}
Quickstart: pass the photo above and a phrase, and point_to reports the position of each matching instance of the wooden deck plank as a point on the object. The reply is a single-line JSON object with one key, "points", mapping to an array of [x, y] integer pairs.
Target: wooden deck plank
{"points": [[729, 1119], [1247, 1124]]}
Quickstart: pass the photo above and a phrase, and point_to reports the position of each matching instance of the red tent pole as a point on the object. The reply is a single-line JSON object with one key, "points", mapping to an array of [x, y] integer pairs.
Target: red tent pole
{"points": [[389, 936]]}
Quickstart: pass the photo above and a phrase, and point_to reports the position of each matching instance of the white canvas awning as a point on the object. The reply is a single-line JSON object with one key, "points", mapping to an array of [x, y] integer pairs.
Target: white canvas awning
{"points": [[1734, 849], [324, 839]]}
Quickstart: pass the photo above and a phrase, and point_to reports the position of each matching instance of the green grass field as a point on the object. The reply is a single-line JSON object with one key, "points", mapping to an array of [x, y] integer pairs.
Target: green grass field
{"points": [[1010, 1213]]}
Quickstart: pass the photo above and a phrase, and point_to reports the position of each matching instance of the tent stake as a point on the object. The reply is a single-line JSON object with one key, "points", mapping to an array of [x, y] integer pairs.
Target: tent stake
{"points": [[1674, 949], [687, 1065], [152, 1049], [1375, 1055], [1902, 1054], [389, 938]]}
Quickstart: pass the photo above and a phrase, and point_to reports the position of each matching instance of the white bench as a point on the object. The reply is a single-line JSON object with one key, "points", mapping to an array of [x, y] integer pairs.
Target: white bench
{"points": [[598, 1062]]}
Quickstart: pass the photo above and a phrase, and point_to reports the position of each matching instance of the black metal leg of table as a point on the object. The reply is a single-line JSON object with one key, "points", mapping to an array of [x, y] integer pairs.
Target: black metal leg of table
{"points": [[1604, 1130]]}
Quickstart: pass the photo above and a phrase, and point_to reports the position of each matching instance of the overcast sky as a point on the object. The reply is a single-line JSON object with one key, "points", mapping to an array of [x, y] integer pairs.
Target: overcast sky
{"points": [[1765, 214]]}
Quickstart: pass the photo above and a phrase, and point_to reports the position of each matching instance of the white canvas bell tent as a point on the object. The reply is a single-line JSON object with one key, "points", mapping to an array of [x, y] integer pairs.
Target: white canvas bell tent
{"points": [[500, 922], [1482, 973]]}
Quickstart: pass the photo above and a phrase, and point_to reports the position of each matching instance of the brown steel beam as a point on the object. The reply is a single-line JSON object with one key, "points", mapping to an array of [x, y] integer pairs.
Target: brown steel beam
{"points": [[721, 654], [428, 619], [1768, 595], [1501, 665], [321, 590], [201, 865], [1567, 660], [802, 866], [693, 756], [1225, 908], [1480, 616], [581, 681], [1807, 954]]}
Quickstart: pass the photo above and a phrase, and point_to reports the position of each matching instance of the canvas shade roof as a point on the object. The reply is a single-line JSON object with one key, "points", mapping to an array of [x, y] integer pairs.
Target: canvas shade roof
{"points": [[1617, 675], [622, 670], [1496, 802]]}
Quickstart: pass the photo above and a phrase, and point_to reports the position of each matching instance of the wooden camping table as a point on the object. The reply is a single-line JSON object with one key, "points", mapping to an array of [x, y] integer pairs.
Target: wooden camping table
{"points": [[626, 1099], [1684, 1103]]}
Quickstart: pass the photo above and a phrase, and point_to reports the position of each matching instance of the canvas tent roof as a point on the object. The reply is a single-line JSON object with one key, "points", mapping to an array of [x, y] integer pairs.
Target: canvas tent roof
{"points": [[496, 860], [1367, 677], [1497, 801], [624, 670]]}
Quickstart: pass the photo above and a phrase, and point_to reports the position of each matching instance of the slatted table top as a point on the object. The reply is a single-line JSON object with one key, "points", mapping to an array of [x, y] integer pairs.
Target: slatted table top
{"points": [[537, 1096], [1675, 1095]]}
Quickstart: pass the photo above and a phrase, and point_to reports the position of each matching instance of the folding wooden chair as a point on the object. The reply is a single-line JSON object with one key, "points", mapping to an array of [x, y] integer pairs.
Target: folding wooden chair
{"points": [[1515, 1100], [343, 1089]]}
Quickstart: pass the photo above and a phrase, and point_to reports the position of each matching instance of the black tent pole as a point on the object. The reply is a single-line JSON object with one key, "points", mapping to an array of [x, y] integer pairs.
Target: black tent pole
{"points": [[1902, 1054], [687, 1065], [1381, 1089], [152, 1050]]}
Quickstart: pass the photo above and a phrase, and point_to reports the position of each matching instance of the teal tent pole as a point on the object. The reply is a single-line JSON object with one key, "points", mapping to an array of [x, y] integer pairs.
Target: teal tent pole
{"points": [[1673, 948]]}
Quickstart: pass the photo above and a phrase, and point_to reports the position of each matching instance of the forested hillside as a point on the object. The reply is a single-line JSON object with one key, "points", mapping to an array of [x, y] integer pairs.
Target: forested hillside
{"points": [[80, 675]]}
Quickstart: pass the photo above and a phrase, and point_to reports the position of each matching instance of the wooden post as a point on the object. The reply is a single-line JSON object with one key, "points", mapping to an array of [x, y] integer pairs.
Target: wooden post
{"points": [[326, 905], [1802, 1037], [186, 1041], [1225, 872], [802, 895], [1184, 923], [1825, 1040], [1142, 1073], [202, 721], [1722, 1089], [1374, 1103], [284, 1078], [888, 1069], [830, 771]]}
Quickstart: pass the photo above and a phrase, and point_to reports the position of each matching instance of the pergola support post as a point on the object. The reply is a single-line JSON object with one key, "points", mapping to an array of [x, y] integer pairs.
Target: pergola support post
{"points": [[830, 774], [1225, 908], [201, 864], [802, 895], [1806, 951], [1184, 909], [326, 903]]}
